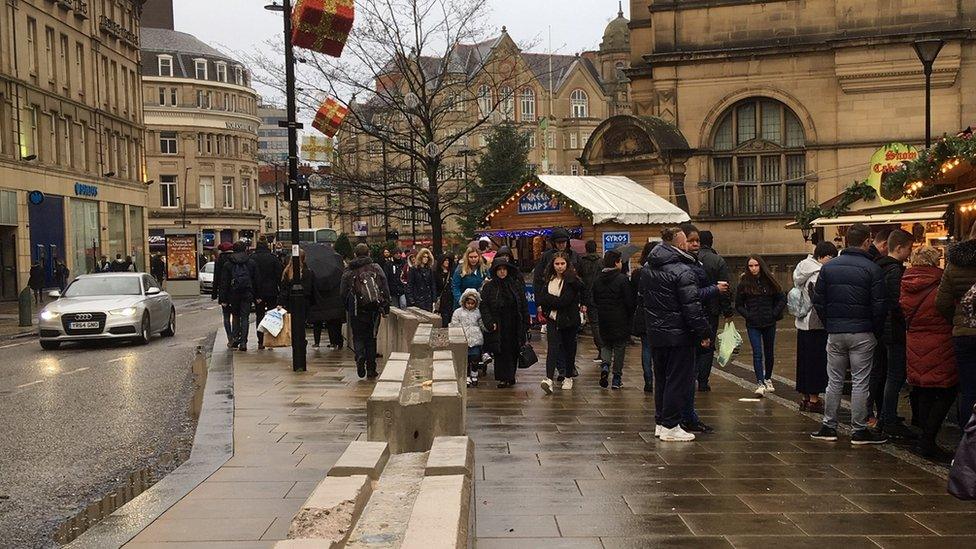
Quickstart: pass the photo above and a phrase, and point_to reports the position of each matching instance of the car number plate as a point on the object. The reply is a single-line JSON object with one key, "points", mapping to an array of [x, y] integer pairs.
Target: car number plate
{"points": [[83, 325]]}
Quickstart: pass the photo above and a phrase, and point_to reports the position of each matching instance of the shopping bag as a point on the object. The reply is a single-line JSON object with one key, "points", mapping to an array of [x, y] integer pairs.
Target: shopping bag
{"points": [[962, 474], [272, 322], [728, 341], [283, 337]]}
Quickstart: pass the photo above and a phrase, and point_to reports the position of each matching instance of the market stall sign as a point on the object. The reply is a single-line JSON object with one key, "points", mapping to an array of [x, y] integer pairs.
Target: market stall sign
{"points": [[181, 257], [887, 160], [615, 240], [537, 201]]}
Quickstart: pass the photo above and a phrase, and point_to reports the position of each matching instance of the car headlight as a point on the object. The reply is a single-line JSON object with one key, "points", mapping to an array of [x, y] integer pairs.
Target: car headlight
{"points": [[49, 315], [127, 311]]}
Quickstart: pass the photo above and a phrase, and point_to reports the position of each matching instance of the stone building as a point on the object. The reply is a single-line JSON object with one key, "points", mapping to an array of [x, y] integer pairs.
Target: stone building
{"points": [[71, 137], [201, 134], [272, 138], [745, 111], [558, 100]]}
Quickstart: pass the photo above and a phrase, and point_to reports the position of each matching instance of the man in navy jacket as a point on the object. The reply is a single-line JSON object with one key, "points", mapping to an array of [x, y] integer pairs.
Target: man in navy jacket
{"points": [[850, 299]]}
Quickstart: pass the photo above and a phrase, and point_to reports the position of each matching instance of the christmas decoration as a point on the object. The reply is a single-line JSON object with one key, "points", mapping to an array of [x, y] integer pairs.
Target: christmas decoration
{"points": [[857, 191], [329, 117], [563, 200], [322, 25], [575, 232]]}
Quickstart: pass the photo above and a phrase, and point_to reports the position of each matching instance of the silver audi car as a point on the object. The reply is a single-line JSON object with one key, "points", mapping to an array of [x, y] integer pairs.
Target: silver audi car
{"points": [[128, 306]]}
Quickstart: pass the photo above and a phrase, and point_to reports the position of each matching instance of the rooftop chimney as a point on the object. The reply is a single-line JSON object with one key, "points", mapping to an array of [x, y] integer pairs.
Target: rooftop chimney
{"points": [[157, 14]]}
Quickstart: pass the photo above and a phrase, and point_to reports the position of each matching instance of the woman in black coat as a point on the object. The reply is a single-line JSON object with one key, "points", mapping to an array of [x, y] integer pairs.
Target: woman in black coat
{"points": [[307, 281], [613, 300], [761, 301], [422, 282], [505, 314], [327, 310], [562, 298], [445, 293]]}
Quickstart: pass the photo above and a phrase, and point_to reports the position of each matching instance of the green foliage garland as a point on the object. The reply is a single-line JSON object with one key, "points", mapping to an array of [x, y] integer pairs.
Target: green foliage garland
{"points": [[857, 191]]}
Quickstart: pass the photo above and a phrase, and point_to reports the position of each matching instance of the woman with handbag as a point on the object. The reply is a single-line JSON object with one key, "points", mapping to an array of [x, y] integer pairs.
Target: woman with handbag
{"points": [[761, 301], [562, 299], [505, 314]]}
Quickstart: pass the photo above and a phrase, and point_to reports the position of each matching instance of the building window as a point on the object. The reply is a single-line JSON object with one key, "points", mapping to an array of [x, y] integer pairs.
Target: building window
{"points": [[206, 191], [228, 188], [484, 100], [63, 71], [527, 104], [239, 75], [167, 142], [165, 65], [580, 104], [574, 141], [162, 96], [67, 125], [167, 191], [759, 160], [246, 193], [531, 136], [173, 97], [32, 45], [201, 68], [574, 169], [221, 71], [507, 97], [34, 118], [53, 156], [83, 144], [203, 99]]}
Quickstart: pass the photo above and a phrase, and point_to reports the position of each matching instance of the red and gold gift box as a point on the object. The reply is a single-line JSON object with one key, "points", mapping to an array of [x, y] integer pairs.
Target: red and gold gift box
{"points": [[329, 117], [322, 25]]}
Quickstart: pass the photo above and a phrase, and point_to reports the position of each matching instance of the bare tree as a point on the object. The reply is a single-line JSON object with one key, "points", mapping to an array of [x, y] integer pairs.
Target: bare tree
{"points": [[420, 78]]}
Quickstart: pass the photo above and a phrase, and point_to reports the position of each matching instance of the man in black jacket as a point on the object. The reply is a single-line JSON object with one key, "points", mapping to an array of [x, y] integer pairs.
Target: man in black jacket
{"points": [[237, 291], [850, 299], [590, 266], [363, 275], [893, 266], [226, 249], [716, 271], [676, 324], [267, 278]]}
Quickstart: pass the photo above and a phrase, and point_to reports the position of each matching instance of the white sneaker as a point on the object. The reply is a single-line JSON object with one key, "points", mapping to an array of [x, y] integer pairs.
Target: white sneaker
{"points": [[568, 384], [760, 390], [547, 386], [676, 434], [769, 386], [657, 431]]}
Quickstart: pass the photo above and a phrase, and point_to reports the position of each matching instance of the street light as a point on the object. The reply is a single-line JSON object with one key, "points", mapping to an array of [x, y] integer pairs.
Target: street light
{"points": [[928, 51], [297, 305], [186, 177]]}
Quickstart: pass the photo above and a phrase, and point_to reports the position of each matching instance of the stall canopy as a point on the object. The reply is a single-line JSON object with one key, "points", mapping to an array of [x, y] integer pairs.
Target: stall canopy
{"points": [[615, 199], [881, 218]]}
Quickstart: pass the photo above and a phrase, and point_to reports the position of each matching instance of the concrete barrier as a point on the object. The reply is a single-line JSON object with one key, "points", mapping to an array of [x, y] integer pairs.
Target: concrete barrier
{"points": [[439, 519], [362, 458], [328, 515], [434, 319]]}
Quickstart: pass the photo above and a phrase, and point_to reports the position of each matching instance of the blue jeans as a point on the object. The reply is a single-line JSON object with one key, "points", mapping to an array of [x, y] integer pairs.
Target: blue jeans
{"points": [[647, 363], [893, 383], [762, 340], [965, 348]]}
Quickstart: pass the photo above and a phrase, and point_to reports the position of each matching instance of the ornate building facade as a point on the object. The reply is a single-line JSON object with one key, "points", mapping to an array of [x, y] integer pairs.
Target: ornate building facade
{"points": [[71, 137], [746, 112]]}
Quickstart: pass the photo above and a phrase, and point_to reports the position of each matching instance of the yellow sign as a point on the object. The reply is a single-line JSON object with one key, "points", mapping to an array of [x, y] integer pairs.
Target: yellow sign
{"points": [[887, 160], [317, 149]]}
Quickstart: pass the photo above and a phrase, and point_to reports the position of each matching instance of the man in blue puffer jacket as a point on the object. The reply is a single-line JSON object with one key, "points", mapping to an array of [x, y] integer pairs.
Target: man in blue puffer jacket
{"points": [[850, 299]]}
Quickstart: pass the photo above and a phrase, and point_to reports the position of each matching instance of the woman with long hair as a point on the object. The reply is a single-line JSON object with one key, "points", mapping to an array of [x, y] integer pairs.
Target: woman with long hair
{"points": [[811, 337], [421, 283], [562, 300], [471, 273], [761, 301], [445, 296], [637, 327]]}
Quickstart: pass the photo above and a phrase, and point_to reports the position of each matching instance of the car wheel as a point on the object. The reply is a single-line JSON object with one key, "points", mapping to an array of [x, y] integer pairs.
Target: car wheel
{"points": [[144, 332], [50, 345], [170, 330]]}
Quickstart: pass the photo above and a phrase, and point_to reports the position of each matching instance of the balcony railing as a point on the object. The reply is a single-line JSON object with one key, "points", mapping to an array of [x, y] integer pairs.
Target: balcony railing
{"points": [[81, 9], [752, 199], [112, 28]]}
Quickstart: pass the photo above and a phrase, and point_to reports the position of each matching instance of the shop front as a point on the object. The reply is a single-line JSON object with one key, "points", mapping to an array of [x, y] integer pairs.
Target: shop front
{"points": [[614, 211]]}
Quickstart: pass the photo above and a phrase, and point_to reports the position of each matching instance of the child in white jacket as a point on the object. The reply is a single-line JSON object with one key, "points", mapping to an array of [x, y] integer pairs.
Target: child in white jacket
{"points": [[468, 317]]}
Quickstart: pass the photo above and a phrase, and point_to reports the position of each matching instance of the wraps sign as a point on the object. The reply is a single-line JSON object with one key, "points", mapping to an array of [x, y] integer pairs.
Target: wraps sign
{"points": [[537, 201]]}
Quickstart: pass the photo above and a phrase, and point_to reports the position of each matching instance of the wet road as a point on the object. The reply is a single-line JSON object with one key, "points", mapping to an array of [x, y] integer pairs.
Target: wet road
{"points": [[75, 422]]}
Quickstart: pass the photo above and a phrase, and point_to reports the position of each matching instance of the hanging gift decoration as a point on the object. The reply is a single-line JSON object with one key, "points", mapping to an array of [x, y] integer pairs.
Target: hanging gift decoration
{"points": [[329, 117], [322, 25]]}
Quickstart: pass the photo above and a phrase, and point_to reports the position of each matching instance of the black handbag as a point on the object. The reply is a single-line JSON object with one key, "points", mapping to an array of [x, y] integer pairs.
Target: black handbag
{"points": [[962, 474], [527, 356]]}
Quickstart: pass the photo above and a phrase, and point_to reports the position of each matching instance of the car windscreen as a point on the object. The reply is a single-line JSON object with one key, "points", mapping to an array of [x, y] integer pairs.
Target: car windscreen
{"points": [[209, 267], [104, 285]]}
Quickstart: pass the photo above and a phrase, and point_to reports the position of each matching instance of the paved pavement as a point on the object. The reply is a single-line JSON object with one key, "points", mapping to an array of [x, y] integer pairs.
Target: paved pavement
{"points": [[79, 420], [578, 469]]}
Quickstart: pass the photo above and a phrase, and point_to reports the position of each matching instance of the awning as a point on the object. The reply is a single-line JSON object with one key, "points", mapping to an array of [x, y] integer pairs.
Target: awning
{"points": [[944, 200], [616, 199], [881, 218]]}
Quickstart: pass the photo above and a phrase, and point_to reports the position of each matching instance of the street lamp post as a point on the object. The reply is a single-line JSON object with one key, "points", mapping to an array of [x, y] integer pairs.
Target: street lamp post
{"points": [[297, 305], [277, 198], [186, 177], [928, 51]]}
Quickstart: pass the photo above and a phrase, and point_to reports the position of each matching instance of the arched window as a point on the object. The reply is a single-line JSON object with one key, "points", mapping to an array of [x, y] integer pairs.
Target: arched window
{"points": [[758, 160], [484, 100], [580, 104], [507, 102], [527, 105]]}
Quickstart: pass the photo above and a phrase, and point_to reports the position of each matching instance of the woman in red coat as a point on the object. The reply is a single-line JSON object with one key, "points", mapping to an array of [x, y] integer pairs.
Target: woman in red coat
{"points": [[931, 362]]}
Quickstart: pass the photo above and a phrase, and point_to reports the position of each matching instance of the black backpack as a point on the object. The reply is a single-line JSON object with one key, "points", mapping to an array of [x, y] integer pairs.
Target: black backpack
{"points": [[240, 277], [366, 289]]}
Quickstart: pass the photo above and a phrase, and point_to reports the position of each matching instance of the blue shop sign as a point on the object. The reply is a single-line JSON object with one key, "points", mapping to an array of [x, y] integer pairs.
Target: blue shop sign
{"points": [[615, 240], [83, 189], [35, 197], [537, 201]]}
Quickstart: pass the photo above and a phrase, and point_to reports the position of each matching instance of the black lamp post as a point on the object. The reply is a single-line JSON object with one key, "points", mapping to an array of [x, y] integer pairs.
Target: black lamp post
{"points": [[297, 305], [928, 51]]}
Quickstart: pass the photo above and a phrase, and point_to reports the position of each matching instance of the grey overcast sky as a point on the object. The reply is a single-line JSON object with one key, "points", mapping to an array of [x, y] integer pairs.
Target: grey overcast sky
{"points": [[243, 25]]}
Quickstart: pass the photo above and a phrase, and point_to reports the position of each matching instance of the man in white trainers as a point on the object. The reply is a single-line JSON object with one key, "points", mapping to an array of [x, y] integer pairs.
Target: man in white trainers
{"points": [[677, 326]]}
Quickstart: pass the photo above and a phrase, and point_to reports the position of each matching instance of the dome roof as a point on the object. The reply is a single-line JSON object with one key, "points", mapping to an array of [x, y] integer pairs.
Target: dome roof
{"points": [[175, 42], [616, 37]]}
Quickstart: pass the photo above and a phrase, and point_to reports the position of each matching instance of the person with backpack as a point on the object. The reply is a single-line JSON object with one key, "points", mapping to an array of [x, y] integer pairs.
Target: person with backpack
{"points": [[237, 291], [761, 302], [421, 287], [267, 275], [615, 310], [956, 300], [365, 293], [226, 249], [811, 337]]}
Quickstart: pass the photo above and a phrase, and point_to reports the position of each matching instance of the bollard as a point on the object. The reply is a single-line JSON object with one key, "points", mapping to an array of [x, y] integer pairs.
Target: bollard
{"points": [[24, 307]]}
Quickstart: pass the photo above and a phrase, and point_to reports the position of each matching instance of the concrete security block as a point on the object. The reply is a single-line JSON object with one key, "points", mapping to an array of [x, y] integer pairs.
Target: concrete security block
{"points": [[450, 456], [306, 544], [434, 319], [440, 515], [362, 458], [394, 370], [460, 369], [444, 371], [332, 510], [447, 415]]}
